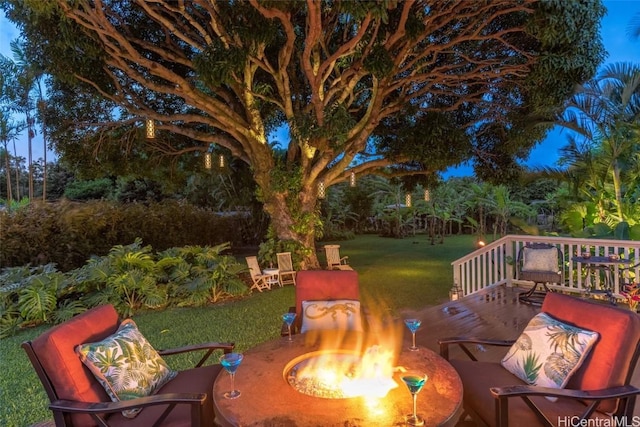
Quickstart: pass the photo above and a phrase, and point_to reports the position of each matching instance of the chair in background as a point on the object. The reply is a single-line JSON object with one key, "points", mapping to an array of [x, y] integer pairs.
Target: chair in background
{"points": [[340, 287], [540, 263], [260, 281], [594, 391], [334, 261], [285, 265], [78, 399]]}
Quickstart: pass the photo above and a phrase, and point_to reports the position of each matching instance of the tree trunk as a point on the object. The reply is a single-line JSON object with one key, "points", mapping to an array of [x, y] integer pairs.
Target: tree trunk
{"points": [[15, 155], [299, 227], [30, 154], [617, 187], [8, 174]]}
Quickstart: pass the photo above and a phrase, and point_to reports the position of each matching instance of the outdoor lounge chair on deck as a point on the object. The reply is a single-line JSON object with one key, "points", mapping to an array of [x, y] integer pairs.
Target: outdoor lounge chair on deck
{"points": [[77, 398], [605, 339], [540, 263]]}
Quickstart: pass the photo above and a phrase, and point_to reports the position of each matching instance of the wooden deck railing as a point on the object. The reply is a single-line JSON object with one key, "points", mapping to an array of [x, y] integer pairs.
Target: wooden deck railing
{"points": [[495, 263]]}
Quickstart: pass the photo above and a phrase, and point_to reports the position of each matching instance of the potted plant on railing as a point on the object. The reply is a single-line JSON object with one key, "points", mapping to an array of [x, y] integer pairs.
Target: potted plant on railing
{"points": [[631, 294]]}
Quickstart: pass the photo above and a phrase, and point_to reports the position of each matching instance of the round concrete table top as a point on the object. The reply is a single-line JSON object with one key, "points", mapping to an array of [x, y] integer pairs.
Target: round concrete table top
{"points": [[267, 399]]}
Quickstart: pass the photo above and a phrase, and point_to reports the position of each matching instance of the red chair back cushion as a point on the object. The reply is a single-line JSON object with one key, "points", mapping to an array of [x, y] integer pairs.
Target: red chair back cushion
{"points": [[55, 349], [610, 360], [321, 285]]}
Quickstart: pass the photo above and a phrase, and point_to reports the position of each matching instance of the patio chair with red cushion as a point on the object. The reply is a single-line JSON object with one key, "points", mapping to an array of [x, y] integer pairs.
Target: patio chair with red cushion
{"points": [[322, 295], [78, 398], [572, 365]]}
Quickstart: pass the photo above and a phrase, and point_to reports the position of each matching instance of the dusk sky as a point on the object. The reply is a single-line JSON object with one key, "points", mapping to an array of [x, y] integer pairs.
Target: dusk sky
{"points": [[619, 46]]}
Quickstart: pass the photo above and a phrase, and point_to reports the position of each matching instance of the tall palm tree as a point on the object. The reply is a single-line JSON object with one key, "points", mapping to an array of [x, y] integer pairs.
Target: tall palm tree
{"points": [[606, 112], [25, 84], [9, 131]]}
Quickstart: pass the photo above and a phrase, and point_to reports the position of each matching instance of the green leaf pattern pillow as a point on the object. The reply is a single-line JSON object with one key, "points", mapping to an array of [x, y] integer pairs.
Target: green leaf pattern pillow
{"points": [[126, 365], [548, 352]]}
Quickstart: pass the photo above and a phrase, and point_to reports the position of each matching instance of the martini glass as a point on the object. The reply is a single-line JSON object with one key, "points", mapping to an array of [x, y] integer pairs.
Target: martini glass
{"points": [[413, 325], [414, 380], [288, 318], [230, 362]]}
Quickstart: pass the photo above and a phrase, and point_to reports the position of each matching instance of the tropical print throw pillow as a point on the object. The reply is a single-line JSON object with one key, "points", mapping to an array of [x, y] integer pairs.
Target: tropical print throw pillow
{"points": [[548, 352], [126, 365]]}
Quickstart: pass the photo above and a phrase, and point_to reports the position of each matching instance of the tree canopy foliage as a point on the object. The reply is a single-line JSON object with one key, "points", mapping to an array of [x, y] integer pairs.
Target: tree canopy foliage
{"points": [[397, 88]]}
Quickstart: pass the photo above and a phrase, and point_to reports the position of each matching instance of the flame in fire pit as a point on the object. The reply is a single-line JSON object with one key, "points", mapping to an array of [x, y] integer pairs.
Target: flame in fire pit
{"points": [[346, 368], [339, 374]]}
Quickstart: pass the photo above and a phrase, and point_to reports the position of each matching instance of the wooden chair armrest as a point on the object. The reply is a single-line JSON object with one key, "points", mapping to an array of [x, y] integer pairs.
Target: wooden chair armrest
{"points": [[502, 395], [461, 341], [210, 347], [344, 259]]}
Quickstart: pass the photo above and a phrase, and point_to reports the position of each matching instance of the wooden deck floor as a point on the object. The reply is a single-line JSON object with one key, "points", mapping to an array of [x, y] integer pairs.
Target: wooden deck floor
{"points": [[493, 313]]}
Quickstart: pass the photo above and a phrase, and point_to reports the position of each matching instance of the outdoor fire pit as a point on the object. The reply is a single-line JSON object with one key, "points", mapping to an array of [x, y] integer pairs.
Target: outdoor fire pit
{"points": [[340, 374], [276, 389]]}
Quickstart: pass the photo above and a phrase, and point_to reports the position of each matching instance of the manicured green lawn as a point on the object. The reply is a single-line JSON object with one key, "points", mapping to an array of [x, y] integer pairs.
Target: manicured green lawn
{"points": [[400, 274]]}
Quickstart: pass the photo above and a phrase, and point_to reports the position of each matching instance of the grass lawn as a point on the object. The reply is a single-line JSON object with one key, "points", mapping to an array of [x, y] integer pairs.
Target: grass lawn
{"points": [[401, 274]]}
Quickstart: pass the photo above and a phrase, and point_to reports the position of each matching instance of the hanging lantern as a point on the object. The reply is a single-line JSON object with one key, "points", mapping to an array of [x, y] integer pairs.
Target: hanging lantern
{"points": [[321, 190], [455, 293], [352, 179], [221, 161], [207, 160], [150, 128], [427, 195], [407, 200]]}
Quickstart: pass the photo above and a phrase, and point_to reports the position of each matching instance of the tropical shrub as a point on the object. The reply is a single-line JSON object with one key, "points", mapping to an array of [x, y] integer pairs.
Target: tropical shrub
{"points": [[130, 277], [68, 233], [202, 275], [87, 190]]}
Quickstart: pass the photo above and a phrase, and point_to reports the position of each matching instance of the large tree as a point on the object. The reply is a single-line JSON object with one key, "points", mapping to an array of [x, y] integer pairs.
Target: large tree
{"points": [[387, 87]]}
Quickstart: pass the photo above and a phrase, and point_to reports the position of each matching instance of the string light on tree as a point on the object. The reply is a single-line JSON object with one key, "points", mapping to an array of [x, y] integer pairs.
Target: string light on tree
{"points": [[321, 190], [150, 129]]}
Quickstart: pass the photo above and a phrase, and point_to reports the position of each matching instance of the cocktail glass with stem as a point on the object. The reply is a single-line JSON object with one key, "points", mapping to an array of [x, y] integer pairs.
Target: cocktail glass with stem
{"points": [[288, 318], [414, 380], [413, 325], [230, 362]]}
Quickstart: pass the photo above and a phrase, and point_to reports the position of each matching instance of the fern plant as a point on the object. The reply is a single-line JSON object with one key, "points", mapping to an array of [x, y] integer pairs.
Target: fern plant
{"points": [[127, 278], [203, 275], [28, 296]]}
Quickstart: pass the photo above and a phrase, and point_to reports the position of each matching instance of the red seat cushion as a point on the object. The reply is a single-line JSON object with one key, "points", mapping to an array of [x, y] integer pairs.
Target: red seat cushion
{"points": [[609, 361], [55, 349]]}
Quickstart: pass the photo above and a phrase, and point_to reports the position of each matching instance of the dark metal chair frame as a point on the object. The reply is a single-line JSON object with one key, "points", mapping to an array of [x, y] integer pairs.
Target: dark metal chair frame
{"points": [[99, 411], [625, 392], [535, 296]]}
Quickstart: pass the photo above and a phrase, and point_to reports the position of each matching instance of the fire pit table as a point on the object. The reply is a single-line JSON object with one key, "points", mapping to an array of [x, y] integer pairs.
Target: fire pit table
{"points": [[268, 399]]}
